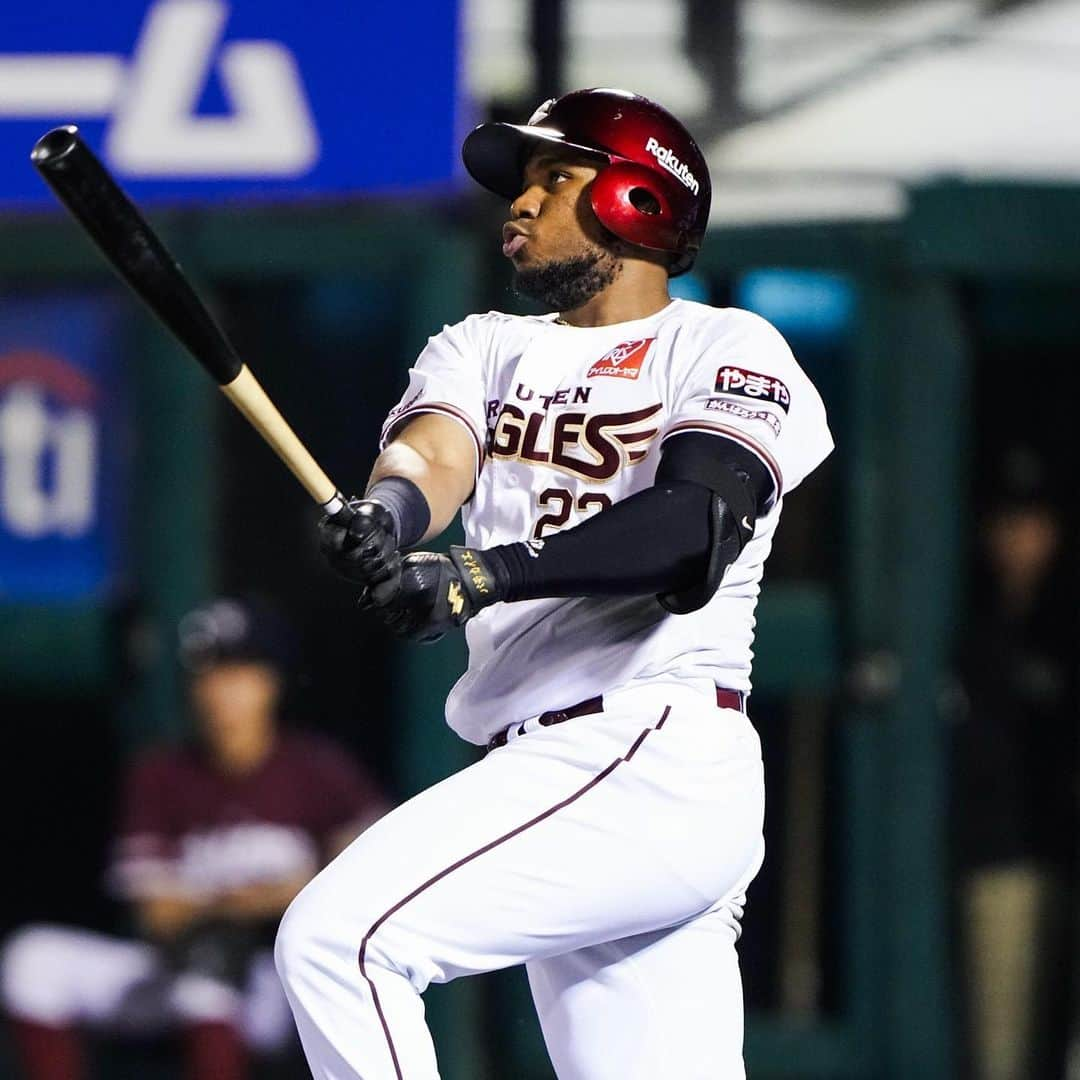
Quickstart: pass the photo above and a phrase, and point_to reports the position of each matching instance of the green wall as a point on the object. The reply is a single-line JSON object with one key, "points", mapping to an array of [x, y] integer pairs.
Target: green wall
{"points": [[880, 645]]}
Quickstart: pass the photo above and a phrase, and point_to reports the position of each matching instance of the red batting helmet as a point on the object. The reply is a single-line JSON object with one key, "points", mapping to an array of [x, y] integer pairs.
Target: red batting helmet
{"points": [[654, 190]]}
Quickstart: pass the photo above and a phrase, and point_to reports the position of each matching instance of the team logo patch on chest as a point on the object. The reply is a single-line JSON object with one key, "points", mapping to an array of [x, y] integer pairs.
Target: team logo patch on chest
{"points": [[749, 384], [622, 362]]}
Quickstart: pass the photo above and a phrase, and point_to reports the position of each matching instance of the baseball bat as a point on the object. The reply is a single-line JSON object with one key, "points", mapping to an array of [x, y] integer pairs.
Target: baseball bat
{"points": [[135, 251]]}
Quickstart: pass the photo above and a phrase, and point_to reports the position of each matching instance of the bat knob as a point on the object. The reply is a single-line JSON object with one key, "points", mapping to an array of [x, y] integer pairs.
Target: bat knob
{"points": [[337, 504], [55, 144]]}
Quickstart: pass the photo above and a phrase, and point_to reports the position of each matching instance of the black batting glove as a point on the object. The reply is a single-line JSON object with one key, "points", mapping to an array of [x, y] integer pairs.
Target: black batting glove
{"points": [[360, 543], [439, 592]]}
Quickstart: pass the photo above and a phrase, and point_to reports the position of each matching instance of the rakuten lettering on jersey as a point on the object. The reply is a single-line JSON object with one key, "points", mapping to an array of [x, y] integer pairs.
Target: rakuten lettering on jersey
{"points": [[749, 384]]}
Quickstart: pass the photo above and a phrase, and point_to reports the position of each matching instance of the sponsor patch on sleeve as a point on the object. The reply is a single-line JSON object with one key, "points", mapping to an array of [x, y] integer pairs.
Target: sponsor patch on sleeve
{"points": [[740, 412], [749, 384]]}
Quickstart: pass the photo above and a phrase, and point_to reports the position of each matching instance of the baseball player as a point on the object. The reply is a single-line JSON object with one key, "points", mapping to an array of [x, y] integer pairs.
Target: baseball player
{"points": [[620, 465], [216, 838]]}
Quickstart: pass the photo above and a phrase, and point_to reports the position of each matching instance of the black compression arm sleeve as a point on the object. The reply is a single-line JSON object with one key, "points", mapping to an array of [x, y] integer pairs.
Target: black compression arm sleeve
{"points": [[736, 474], [654, 541]]}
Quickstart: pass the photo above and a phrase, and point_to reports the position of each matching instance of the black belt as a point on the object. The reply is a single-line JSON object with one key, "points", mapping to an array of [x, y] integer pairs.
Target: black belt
{"points": [[725, 699], [546, 719]]}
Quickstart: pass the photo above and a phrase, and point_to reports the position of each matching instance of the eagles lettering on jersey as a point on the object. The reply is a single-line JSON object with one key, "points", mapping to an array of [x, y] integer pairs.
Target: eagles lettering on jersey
{"points": [[592, 447], [569, 420]]}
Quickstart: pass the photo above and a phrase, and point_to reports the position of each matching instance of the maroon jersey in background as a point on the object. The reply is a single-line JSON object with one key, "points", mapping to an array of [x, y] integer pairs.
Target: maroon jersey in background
{"points": [[187, 826]]}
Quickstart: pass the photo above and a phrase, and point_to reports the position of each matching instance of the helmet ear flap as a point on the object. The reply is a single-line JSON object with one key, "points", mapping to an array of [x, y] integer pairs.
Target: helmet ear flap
{"points": [[629, 200]]}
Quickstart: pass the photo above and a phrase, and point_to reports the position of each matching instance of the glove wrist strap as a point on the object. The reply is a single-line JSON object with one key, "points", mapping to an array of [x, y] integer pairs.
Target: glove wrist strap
{"points": [[482, 577]]}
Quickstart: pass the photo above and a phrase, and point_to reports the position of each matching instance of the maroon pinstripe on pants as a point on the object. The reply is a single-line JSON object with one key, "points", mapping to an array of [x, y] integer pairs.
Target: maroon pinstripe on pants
{"points": [[474, 855]]}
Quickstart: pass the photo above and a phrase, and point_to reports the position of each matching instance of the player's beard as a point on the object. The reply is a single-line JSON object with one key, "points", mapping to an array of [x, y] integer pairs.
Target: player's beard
{"points": [[567, 284]]}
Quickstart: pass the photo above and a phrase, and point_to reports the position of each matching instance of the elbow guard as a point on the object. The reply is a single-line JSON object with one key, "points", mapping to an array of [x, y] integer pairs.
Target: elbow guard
{"points": [[727, 538], [741, 487]]}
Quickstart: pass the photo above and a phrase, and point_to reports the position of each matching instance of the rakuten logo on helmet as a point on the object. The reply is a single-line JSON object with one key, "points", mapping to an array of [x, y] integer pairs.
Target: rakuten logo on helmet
{"points": [[669, 161]]}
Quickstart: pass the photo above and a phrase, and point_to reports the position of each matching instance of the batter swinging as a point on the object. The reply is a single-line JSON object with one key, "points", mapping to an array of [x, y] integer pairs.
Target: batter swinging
{"points": [[620, 468]]}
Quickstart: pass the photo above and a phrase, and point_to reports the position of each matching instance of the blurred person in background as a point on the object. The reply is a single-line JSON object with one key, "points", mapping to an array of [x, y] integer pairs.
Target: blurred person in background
{"points": [[1016, 768], [216, 838]]}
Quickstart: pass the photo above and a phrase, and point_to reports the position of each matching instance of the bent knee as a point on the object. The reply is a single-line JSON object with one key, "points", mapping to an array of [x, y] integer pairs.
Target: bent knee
{"points": [[324, 934], [300, 936]]}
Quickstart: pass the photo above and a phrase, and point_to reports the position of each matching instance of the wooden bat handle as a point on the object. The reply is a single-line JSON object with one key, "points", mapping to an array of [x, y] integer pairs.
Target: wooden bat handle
{"points": [[249, 397]]}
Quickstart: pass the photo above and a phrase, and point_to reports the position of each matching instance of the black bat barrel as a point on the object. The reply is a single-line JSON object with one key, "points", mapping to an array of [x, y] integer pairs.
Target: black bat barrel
{"points": [[85, 187]]}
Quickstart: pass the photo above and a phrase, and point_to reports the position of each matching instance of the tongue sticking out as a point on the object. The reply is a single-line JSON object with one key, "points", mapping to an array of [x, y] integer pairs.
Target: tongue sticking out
{"points": [[513, 245]]}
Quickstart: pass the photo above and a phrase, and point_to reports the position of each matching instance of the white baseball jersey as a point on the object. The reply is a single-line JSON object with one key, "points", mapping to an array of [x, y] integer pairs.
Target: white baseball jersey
{"points": [[569, 420], [610, 854]]}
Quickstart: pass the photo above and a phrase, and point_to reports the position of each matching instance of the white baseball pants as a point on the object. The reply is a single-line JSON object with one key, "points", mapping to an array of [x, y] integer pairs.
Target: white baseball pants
{"points": [[610, 854]]}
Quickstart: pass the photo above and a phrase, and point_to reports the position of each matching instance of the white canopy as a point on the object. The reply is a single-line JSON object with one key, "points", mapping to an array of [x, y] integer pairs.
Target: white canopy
{"points": [[1001, 104]]}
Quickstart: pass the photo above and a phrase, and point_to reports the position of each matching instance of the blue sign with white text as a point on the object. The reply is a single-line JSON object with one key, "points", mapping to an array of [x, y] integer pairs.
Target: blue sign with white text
{"points": [[63, 429], [225, 99]]}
